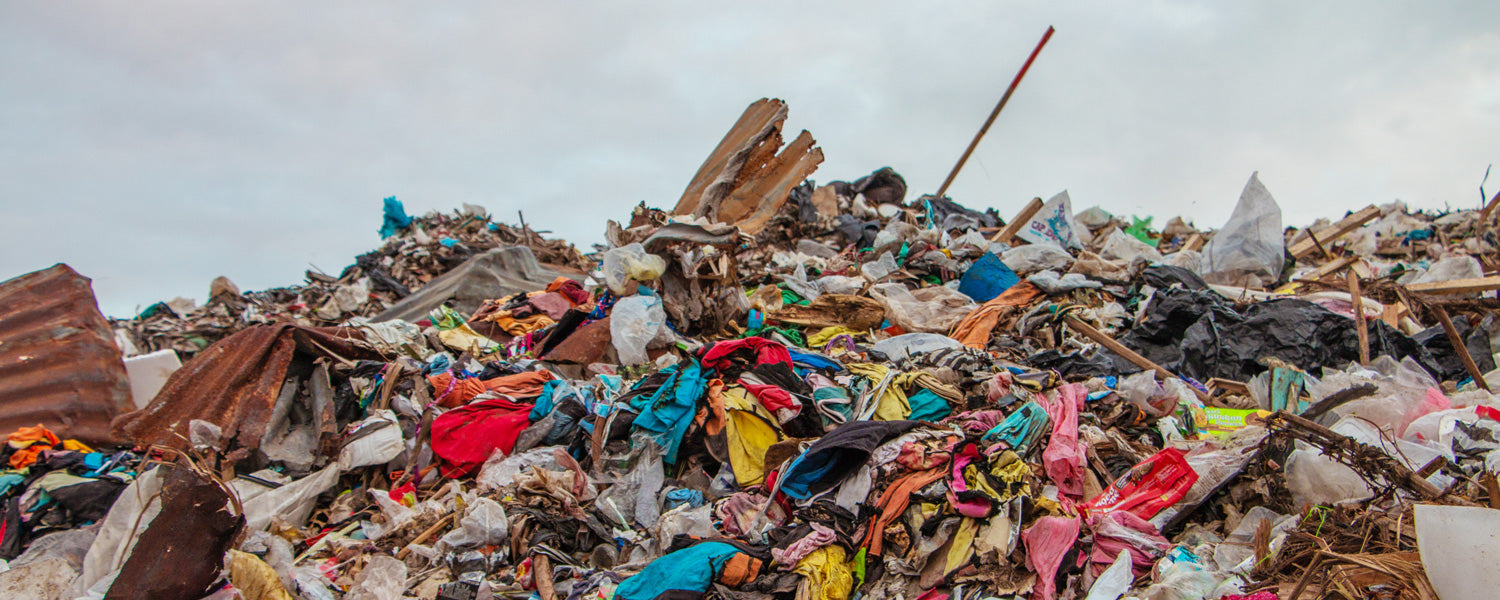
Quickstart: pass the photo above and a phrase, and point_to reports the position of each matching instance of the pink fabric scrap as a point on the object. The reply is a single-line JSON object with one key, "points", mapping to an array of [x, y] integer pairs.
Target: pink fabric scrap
{"points": [[1063, 457], [1046, 543]]}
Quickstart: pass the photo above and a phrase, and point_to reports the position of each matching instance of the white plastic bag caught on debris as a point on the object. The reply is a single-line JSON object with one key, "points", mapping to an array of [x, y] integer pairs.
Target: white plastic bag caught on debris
{"points": [[1448, 268], [500, 470], [879, 268], [375, 441], [484, 524], [1053, 224], [292, 502], [1114, 581], [1036, 257], [931, 310], [1123, 246], [631, 263], [634, 323], [384, 578], [1250, 249]]}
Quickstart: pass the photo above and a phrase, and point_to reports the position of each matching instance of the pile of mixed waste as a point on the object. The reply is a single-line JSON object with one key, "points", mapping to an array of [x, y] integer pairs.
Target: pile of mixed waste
{"points": [[777, 390]]}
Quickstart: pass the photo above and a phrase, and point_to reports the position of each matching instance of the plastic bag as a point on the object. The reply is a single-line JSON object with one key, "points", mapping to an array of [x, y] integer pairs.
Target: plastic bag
{"points": [[840, 284], [484, 524], [1147, 488], [1448, 269], [1052, 283], [630, 263], [634, 323], [134, 510], [292, 503], [878, 269], [383, 578], [1093, 217], [1036, 257], [799, 283], [1123, 246], [931, 310], [1053, 224], [1191, 260], [500, 470], [1316, 479], [1239, 547], [1250, 249], [1099, 267], [1114, 581], [374, 441]]}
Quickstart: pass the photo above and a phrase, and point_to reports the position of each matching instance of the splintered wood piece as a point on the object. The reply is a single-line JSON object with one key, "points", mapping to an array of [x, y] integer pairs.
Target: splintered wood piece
{"points": [[751, 205], [719, 173]]}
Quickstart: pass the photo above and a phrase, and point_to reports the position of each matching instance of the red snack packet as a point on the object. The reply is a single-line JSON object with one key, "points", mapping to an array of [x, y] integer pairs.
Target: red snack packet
{"points": [[1149, 487]]}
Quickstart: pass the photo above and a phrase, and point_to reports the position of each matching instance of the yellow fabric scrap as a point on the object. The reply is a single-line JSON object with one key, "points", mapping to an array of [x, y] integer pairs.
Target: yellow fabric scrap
{"points": [[961, 546], [825, 574], [465, 339], [892, 405], [824, 335], [749, 433]]}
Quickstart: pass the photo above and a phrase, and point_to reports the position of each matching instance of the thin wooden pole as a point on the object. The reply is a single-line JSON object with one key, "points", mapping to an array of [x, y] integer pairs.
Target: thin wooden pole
{"points": [[1460, 349], [1358, 301], [994, 113]]}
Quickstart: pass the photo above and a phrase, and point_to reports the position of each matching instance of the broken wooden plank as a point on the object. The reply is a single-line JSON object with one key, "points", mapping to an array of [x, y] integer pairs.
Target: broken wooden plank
{"points": [[1022, 218], [719, 173], [1195, 243], [1333, 232], [760, 197], [1457, 286]]}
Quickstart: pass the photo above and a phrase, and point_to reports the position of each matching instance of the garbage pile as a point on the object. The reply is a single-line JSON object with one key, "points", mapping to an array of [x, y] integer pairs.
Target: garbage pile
{"points": [[783, 390]]}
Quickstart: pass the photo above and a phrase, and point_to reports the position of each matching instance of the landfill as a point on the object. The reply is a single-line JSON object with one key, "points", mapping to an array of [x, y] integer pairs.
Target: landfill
{"points": [[775, 389]]}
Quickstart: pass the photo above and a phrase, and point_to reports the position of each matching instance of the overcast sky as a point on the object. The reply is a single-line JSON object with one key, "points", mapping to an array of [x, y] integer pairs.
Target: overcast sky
{"points": [[156, 145]]}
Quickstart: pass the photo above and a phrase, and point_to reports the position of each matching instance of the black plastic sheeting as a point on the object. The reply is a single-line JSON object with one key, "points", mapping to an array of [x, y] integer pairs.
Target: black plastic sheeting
{"points": [[1476, 340], [1199, 334]]}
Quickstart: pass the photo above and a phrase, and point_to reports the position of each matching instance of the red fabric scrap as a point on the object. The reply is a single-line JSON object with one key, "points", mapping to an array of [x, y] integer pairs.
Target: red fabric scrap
{"points": [[463, 438]]}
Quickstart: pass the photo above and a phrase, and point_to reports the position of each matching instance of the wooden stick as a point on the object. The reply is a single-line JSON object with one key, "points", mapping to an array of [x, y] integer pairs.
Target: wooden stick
{"points": [[1489, 208], [1333, 232], [422, 537], [1140, 361], [994, 113], [1459, 348], [1457, 286], [1332, 267], [1014, 226], [1359, 318], [1314, 237]]}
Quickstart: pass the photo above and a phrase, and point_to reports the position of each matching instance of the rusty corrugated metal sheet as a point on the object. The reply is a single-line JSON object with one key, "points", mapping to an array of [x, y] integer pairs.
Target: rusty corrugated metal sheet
{"points": [[58, 362], [233, 383]]}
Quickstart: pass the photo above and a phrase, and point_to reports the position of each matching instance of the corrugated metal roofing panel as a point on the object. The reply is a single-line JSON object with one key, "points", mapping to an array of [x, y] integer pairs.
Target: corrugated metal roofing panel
{"points": [[58, 362]]}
